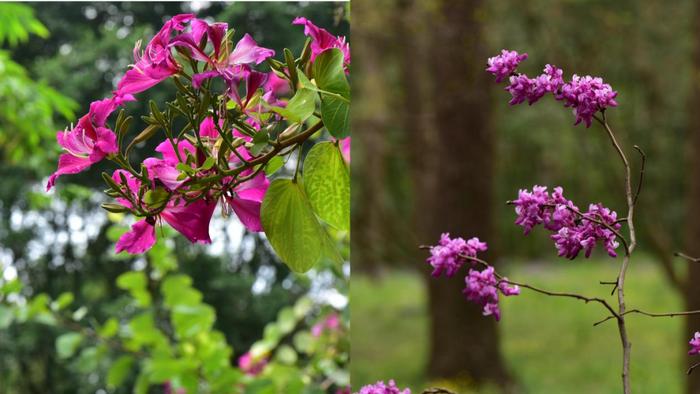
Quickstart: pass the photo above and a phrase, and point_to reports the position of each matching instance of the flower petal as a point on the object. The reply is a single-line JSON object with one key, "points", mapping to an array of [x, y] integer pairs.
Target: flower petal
{"points": [[139, 239]]}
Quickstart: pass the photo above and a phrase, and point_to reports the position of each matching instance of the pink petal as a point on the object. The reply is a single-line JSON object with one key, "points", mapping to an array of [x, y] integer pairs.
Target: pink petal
{"points": [[142, 77], [68, 164], [198, 79], [183, 146], [276, 85], [345, 148], [101, 109], [247, 51], [253, 189], [208, 129], [191, 220], [139, 239], [248, 212], [132, 183], [164, 172], [322, 39], [106, 141]]}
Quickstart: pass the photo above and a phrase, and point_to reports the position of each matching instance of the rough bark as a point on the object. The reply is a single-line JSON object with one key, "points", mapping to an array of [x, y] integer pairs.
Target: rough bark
{"points": [[453, 159], [370, 122], [692, 292]]}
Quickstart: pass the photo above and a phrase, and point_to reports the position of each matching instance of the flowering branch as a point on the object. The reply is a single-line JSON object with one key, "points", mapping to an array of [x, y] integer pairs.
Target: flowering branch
{"points": [[581, 297], [572, 230]]}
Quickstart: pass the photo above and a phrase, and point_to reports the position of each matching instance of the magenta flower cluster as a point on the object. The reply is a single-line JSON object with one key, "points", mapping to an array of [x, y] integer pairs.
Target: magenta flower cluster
{"points": [[585, 95], [448, 255], [382, 388], [503, 65], [573, 230], [482, 287]]}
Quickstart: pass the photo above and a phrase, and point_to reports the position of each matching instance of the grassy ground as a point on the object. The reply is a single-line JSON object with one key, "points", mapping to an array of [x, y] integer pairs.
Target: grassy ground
{"points": [[549, 343]]}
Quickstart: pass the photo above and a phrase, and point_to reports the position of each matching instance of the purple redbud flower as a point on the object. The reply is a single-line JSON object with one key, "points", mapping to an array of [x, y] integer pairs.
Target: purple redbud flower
{"points": [[550, 81], [572, 232], [447, 256], [482, 288], [694, 344], [503, 65], [521, 89], [587, 95], [381, 388]]}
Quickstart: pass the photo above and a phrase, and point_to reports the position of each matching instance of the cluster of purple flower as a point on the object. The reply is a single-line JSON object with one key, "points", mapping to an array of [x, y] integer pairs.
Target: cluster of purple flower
{"points": [[586, 95], [503, 65], [449, 254], [481, 286], [381, 388], [482, 289], [695, 345], [573, 230]]}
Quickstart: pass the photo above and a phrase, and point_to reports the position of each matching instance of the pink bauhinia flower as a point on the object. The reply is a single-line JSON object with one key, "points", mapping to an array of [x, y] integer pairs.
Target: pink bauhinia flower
{"points": [[323, 40], [230, 68], [165, 169], [89, 141], [189, 219], [156, 63]]}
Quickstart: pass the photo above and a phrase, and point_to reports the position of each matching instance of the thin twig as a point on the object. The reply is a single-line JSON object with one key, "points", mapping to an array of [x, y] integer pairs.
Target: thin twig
{"points": [[629, 248], [686, 257], [641, 172], [651, 314], [692, 367]]}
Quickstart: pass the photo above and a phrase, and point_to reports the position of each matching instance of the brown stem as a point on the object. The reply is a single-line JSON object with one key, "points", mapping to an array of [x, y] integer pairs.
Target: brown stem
{"points": [[686, 257], [626, 345], [652, 314]]}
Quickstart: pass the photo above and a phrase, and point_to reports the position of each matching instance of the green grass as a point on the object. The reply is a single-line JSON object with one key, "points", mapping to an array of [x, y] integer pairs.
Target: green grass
{"points": [[549, 343]]}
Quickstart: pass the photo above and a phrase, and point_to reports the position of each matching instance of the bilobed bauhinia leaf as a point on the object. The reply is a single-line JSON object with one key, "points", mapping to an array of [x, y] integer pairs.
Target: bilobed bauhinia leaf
{"points": [[327, 184], [335, 92], [292, 228]]}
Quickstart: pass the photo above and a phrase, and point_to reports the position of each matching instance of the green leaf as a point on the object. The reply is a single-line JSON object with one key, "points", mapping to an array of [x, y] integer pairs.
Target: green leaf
{"points": [[273, 165], [303, 307], [335, 92], [119, 371], [208, 163], [292, 228], [327, 184], [142, 383], [109, 329], [190, 320], [303, 341], [156, 198], [63, 301], [90, 358], [286, 320], [299, 107], [13, 286], [286, 355], [67, 344], [135, 283], [177, 290], [7, 315]]}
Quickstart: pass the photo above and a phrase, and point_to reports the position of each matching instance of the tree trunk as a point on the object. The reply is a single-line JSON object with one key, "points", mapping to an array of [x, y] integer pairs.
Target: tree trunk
{"points": [[692, 291], [453, 158], [371, 120]]}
